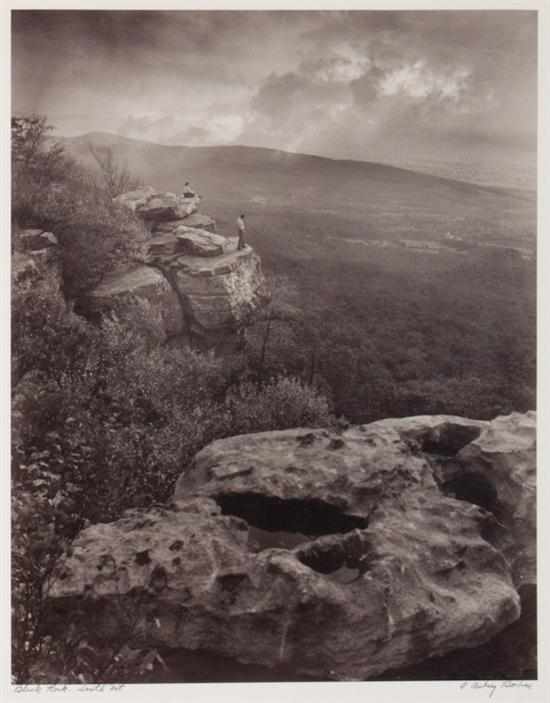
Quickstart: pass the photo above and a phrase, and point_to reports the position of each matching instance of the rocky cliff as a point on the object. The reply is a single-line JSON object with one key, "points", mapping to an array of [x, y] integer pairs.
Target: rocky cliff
{"points": [[192, 278], [339, 555]]}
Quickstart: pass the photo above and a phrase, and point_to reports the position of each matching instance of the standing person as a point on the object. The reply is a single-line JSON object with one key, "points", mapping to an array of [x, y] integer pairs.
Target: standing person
{"points": [[241, 227]]}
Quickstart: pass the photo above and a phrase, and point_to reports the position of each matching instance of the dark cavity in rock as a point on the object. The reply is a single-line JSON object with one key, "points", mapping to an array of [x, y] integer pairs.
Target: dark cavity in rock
{"points": [[311, 517], [473, 487], [345, 559], [143, 558], [446, 439]]}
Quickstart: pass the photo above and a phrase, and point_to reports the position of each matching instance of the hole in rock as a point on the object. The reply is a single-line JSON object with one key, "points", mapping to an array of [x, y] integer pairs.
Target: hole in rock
{"points": [[142, 558], [475, 488], [447, 439], [345, 560], [284, 523]]}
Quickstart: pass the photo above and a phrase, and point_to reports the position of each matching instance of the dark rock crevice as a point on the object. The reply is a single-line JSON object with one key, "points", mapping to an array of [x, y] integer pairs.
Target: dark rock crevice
{"points": [[187, 318], [312, 517], [473, 487], [331, 554], [446, 439]]}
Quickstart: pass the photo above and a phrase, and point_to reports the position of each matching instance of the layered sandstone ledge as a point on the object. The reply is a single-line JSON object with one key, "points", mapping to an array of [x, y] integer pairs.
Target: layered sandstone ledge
{"points": [[192, 278]]}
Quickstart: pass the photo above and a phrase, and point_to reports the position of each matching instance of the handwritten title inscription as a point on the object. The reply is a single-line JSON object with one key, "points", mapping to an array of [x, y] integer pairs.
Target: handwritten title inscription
{"points": [[64, 688]]}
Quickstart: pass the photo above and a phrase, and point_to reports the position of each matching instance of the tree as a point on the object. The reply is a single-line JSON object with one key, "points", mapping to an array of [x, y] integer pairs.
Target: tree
{"points": [[38, 163], [271, 340], [116, 178]]}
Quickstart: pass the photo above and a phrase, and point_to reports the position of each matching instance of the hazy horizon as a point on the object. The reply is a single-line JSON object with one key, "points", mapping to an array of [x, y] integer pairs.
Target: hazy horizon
{"points": [[452, 93]]}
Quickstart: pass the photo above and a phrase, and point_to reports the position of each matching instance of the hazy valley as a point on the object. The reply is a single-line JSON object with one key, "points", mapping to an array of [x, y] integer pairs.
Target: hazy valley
{"points": [[418, 289]]}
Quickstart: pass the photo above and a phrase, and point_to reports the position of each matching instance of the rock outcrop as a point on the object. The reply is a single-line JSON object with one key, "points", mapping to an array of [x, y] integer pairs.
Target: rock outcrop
{"points": [[215, 288], [137, 289], [340, 555], [156, 207]]}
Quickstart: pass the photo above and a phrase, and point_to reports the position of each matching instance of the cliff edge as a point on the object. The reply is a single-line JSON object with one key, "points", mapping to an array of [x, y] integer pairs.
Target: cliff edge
{"points": [[192, 278]]}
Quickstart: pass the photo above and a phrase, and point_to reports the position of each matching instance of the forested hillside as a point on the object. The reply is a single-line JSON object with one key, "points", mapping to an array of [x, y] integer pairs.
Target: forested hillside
{"points": [[401, 293]]}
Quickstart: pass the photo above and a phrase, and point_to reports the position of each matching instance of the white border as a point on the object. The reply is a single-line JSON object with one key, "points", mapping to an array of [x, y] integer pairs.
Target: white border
{"points": [[382, 692]]}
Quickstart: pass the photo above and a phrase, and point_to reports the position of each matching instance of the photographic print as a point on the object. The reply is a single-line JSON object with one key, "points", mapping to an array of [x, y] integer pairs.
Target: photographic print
{"points": [[273, 360]]}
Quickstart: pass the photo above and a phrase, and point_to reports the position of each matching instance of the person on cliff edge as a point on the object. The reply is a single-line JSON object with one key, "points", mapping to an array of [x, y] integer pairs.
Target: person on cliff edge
{"points": [[241, 227]]}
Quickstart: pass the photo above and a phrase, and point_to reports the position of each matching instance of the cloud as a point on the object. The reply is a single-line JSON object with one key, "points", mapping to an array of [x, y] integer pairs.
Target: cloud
{"points": [[289, 107], [338, 83], [418, 80], [343, 64], [367, 88]]}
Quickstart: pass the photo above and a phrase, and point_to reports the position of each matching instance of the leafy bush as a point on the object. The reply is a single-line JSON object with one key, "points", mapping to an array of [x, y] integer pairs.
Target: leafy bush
{"points": [[38, 165], [45, 337], [279, 404]]}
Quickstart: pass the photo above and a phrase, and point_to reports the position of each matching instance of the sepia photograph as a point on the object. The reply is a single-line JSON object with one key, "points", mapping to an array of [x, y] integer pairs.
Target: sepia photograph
{"points": [[274, 347]]}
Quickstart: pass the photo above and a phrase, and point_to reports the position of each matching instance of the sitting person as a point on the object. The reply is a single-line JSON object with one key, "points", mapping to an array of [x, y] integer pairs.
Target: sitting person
{"points": [[188, 192]]}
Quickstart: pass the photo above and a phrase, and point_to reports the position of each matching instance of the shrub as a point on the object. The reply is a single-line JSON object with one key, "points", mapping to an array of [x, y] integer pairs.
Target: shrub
{"points": [[45, 336], [279, 404]]}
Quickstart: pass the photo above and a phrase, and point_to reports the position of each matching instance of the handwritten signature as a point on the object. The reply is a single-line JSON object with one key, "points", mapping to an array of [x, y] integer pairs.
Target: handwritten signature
{"points": [[65, 688], [491, 687]]}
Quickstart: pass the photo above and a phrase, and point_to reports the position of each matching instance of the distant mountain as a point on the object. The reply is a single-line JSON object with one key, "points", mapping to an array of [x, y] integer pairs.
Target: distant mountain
{"points": [[388, 201], [272, 171]]}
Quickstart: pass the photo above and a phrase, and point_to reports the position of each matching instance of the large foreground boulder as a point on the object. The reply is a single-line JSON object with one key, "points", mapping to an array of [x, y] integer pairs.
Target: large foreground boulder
{"points": [[337, 554]]}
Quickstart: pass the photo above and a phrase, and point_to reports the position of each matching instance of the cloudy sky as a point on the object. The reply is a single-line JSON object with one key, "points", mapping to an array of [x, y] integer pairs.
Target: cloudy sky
{"points": [[393, 86]]}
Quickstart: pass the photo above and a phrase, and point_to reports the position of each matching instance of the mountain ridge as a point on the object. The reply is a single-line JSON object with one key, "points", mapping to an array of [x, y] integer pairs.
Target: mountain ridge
{"points": [[112, 139]]}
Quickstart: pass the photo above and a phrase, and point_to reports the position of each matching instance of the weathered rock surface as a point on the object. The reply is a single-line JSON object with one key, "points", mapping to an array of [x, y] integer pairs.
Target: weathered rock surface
{"points": [[36, 256], [188, 240], [156, 207], [36, 239], [341, 555], [195, 220], [199, 242], [223, 292], [23, 267], [142, 286], [496, 470], [207, 296]]}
